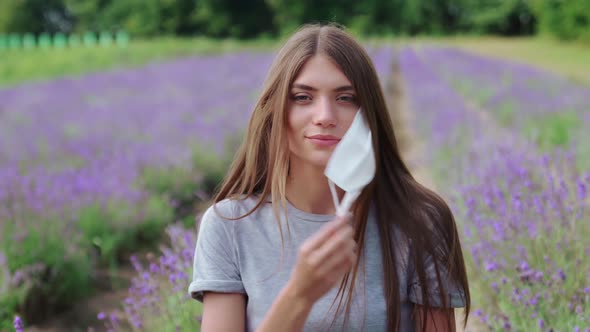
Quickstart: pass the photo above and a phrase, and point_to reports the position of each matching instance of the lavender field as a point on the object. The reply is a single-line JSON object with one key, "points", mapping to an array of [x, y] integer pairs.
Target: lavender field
{"points": [[106, 161], [99, 161], [548, 110], [93, 167], [523, 207]]}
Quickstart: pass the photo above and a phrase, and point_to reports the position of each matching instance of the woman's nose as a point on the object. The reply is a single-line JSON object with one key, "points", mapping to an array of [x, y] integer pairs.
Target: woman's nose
{"points": [[325, 113]]}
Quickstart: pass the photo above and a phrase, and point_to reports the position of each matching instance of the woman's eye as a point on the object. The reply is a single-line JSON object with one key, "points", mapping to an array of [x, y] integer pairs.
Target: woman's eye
{"points": [[347, 98], [300, 98]]}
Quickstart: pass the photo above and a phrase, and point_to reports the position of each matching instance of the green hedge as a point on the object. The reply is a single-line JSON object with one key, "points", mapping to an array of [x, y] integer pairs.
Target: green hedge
{"points": [[256, 18]]}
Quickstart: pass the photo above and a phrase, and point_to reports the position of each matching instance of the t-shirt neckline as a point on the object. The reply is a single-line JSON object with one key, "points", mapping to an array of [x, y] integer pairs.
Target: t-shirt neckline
{"points": [[306, 216]]}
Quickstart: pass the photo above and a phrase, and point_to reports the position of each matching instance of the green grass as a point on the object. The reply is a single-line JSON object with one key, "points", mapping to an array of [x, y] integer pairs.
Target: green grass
{"points": [[569, 59], [18, 66]]}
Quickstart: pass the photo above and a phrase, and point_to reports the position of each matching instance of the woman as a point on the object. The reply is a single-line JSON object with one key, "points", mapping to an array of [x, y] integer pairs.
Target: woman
{"points": [[272, 256]]}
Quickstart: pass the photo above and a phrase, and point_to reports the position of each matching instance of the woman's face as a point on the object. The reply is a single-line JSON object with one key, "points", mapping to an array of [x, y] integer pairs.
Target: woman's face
{"points": [[322, 105]]}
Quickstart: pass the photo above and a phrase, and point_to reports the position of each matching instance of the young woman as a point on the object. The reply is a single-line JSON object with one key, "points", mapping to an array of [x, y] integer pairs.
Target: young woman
{"points": [[272, 256]]}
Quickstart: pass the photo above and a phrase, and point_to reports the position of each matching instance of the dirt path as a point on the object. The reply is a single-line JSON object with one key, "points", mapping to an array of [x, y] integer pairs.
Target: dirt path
{"points": [[412, 150]]}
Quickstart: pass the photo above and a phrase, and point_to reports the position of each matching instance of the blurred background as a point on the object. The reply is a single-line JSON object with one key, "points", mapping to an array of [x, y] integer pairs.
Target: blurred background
{"points": [[118, 119]]}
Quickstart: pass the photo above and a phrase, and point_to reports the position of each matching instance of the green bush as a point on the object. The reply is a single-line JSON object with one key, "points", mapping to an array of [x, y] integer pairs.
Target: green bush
{"points": [[568, 20], [53, 273], [155, 214], [553, 131], [99, 231], [34, 16], [238, 19], [185, 187], [247, 19], [505, 17], [117, 228], [57, 268], [139, 17]]}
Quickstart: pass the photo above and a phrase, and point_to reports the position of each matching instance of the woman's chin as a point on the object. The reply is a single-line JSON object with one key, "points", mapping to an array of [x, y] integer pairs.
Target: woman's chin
{"points": [[317, 159], [320, 161]]}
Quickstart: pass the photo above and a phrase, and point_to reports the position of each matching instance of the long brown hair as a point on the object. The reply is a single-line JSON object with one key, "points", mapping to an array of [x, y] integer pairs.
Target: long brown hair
{"points": [[260, 168]]}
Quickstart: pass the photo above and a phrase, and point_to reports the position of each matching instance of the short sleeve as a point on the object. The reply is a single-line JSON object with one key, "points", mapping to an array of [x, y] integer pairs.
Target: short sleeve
{"points": [[455, 293], [215, 265]]}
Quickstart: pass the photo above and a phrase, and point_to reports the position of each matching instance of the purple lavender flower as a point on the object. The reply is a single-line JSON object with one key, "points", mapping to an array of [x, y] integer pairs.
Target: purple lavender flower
{"points": [[18, 324], [581, 190], [514, 201], [491, 266], [561, 274]]}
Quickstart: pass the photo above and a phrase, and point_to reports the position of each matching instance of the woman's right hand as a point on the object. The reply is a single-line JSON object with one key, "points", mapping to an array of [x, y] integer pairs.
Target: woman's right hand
{"points": [[323, 259]]}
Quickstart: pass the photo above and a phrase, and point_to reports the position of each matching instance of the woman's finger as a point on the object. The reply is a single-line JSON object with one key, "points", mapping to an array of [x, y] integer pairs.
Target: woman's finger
{"points": [[338, 258], [332, 246]]}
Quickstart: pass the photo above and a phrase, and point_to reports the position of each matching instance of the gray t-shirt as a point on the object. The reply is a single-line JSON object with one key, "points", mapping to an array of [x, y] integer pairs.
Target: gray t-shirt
{"points": [[243, 256]]}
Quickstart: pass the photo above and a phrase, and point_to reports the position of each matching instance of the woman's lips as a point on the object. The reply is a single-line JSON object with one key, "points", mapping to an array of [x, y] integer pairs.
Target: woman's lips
{"points": [[324, 141]]}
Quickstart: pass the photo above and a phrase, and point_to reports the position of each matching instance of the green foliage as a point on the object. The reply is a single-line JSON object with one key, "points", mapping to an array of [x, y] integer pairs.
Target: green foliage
{"points": [[176, 312], [155, 214], [552, 131], [96, 223], [55, 272], [378, 17], [211, 167], [17, 66], [34, 16], [117, 228], [26, 247], [288, 14], [186, 187], [139, 17], [256, 18], [179, 185], [505, 113], [506, 17], [565, 19], [54, 275], [85, 12], [233, 18], [177, 182]]}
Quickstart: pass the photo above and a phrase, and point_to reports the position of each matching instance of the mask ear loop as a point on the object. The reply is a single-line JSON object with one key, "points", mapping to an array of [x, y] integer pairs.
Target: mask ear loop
{"points": [[334, 195], [346, 203]]}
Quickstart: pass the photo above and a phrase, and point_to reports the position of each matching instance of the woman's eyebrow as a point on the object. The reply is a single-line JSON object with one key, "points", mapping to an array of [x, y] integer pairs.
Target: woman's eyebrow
{"points": [[310, 88]]}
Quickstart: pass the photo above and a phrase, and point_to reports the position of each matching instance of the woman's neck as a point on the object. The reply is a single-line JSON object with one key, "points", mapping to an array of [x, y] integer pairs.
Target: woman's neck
{"points": [[308, 190]]}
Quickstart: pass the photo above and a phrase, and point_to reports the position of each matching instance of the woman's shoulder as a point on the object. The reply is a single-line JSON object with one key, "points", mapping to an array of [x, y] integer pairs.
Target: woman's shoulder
{"points": [[233, 208]]}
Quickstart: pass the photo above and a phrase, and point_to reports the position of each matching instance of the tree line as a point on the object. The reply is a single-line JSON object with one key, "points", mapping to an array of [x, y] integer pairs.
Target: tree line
{"points": [[271, 18]]}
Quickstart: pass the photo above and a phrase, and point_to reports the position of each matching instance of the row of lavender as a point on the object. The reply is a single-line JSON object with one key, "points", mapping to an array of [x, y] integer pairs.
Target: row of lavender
{"points": [[549, 110], [80, 159], [76, 156], [524, 209]]}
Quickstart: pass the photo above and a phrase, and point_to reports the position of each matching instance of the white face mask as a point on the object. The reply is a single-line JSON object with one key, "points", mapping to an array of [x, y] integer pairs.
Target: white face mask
{"points": [[352, 164]]}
